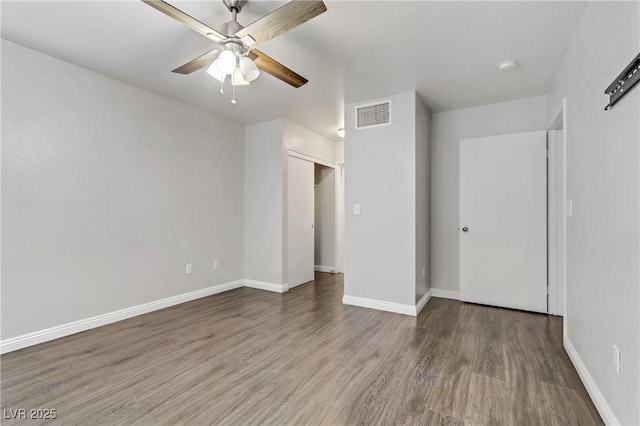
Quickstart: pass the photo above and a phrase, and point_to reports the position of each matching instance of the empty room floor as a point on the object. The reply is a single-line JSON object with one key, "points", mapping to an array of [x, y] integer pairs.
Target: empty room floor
{"points": [[250, 356]]}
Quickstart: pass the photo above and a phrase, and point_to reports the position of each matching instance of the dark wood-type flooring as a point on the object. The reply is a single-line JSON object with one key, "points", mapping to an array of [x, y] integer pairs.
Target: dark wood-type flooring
{"points": [[253, 357]]}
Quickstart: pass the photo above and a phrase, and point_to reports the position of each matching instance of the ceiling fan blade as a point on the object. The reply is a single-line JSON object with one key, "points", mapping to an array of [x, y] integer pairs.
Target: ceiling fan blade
{"points": [[198, 63], [282, 19], [276, 69], [185, 19]]}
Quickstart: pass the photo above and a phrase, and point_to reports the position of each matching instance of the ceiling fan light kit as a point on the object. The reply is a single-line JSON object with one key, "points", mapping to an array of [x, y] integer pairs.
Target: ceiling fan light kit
{"points": [[248, 69], [226, 62], [214, 72], [237, 79], [236, 55]]}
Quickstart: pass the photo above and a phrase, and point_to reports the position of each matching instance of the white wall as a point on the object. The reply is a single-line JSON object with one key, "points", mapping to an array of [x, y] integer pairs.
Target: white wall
{"points": [[325, 216], [107, 192], [303, 141], [380, 253], [339, 151], [447, 128], [603, 180], [265, 239], [423, 196], [265, 197]]}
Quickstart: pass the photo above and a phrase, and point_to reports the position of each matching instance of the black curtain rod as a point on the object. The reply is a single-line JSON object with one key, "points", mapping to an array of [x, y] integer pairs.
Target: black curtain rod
{"points": [[623, 82]]}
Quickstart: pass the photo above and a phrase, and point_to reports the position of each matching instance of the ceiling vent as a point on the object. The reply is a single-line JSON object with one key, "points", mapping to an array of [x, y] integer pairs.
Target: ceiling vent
{"points": [[373, 115]]}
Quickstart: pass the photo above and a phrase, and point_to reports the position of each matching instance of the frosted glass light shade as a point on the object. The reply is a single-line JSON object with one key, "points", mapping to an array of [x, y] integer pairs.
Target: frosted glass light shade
{"points": [[226, 62], [237, 79], [214, 72], [249, 70]]}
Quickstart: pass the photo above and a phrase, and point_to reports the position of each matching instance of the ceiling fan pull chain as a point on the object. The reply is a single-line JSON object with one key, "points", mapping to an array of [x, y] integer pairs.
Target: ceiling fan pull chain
{"points": [[222, 84], [233, 92]]}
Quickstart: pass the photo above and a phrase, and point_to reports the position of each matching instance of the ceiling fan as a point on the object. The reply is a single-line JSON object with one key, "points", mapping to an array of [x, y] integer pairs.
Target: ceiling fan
{"points": [[236, 55]]}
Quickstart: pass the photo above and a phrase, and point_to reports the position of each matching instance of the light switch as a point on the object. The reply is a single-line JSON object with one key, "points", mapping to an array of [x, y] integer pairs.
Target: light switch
{"points": [[356, 209]]}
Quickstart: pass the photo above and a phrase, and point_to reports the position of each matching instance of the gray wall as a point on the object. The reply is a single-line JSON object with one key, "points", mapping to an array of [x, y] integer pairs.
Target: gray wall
{"points": [[107, 192], [423, 200], [380, 252], [447, 128], [265, 197], [297, 138], [603, 180], [265, 203], [325, 216]]}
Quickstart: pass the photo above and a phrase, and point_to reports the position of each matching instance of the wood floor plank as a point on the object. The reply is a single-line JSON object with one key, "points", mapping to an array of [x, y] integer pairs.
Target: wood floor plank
{"points": [[525, 399], [488, 398], [316, 414], [248, 356], [566, 406]]}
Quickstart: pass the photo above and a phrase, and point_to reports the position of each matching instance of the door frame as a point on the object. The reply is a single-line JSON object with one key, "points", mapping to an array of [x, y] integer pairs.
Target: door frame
{"points": [[557, 159], [306, 157], [340, 219], [338, 245]]}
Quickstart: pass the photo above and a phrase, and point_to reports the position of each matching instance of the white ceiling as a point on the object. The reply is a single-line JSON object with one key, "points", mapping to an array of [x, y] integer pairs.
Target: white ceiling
{"points": [[358, 50]]}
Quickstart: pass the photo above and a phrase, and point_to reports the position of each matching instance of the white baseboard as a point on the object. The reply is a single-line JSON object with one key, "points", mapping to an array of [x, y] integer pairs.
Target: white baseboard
{"points": [[423, 301], [329, 269], [592, 388], [445, 294], [262, 285], [381, 305], [30, 339]]}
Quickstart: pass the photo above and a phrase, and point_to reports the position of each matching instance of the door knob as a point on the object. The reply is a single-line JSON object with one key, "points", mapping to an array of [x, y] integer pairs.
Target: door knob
{"points": [[465, 229]]}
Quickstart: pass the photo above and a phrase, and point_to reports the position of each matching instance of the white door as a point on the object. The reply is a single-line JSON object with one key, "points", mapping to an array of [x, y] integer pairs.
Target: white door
{"points": [[300, 243], [503, 221]]}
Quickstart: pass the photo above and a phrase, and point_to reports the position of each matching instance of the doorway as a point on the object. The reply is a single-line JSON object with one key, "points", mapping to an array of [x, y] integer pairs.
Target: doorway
{"points": [[325, 219], [312, 218]]}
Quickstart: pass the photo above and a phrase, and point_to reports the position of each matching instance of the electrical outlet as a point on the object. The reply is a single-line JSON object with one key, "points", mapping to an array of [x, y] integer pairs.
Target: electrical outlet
{"points": [[424, 271], [216, 264], [616, 359], [356, 209], [187, 269], [570, 208]]}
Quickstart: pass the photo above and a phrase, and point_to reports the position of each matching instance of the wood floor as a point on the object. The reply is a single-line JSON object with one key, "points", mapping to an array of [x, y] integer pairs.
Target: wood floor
{"points": [[253, 357]]}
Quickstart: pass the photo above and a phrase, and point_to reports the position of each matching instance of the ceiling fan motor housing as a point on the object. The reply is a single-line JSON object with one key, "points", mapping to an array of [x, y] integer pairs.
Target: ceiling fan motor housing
{"points": [[235, 45], [230, 28]]}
